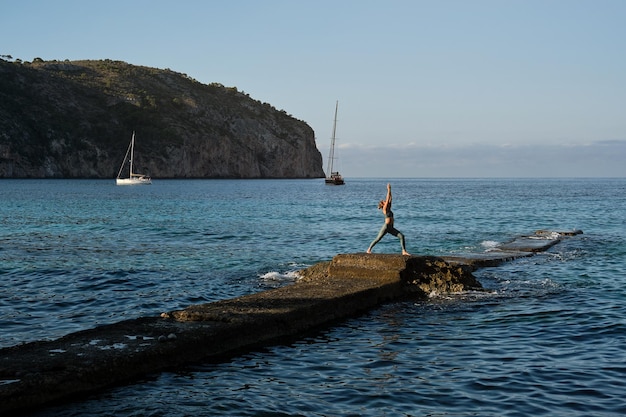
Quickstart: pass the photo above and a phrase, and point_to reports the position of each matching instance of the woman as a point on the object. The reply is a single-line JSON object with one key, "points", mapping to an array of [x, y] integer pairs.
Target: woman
{"points": [[388, 226]]}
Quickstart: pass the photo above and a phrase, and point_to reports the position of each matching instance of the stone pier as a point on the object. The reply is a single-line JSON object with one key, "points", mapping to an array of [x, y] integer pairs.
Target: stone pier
{"points": [[35, 374]]}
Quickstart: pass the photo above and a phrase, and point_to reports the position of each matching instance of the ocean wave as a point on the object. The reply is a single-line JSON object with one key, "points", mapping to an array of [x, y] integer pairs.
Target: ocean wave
{"points": [[490, 245], [280, 278]]}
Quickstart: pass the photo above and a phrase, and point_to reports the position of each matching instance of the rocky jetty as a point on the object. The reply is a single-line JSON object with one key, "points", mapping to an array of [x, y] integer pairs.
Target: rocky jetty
{"points": [[74, 119], [35, 374], [520, 247]]}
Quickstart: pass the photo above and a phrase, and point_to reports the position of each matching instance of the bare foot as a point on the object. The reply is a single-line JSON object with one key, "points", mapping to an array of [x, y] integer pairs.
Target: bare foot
{"points": [[406, 253], [368, 251]]}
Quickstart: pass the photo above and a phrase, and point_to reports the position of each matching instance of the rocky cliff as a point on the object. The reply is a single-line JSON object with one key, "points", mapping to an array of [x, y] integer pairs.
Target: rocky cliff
{"points": [[75, 119]]}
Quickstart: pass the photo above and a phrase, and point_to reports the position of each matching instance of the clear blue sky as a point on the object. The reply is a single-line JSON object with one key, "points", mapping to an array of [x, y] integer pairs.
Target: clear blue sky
{"points": [[442, 88]]}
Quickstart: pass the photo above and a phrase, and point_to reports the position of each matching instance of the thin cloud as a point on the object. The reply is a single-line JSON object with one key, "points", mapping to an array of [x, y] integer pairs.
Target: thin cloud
{"points": [[604, 158]]}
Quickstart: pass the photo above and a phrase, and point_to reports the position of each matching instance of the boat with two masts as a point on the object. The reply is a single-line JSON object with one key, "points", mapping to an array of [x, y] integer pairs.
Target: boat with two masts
{"points": [[133, 178]]}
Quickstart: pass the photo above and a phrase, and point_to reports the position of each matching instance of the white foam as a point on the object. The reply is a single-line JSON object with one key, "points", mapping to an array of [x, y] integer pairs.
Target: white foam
{"points": [[547, 236], [271, 276], [490, 245], [277, 276]]}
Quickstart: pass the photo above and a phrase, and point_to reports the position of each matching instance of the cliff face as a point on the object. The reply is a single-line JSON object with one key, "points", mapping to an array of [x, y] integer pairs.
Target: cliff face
{"points": [[75, 119]]}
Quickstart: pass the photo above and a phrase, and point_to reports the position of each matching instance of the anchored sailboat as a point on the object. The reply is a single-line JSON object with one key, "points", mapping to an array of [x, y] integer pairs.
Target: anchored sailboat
{"points": [[333, 177], [133, 179]]}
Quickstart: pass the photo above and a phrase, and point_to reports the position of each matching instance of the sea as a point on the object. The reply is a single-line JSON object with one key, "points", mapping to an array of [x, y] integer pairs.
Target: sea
{"points": [[547, 337]]}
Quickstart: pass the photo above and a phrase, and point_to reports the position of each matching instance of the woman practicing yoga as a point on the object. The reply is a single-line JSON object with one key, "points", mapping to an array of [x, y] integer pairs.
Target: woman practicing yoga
{"points": [[388, 226]]}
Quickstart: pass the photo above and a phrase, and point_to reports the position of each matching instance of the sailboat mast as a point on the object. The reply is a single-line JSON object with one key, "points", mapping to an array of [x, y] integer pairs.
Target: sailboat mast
{"points": [[132, 154], [331, 155]]}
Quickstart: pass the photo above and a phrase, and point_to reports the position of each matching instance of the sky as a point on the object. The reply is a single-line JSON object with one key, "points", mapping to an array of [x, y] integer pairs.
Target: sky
{"points": [[441, 88]]}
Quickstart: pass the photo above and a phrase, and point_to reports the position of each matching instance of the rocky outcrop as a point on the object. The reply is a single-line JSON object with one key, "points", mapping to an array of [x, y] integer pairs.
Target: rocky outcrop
{"points": [[520, 247], [75, 119], [37, 373], [421, 276]]}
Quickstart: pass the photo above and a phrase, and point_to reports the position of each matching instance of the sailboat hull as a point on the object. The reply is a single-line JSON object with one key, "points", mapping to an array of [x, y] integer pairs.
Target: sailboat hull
{"points": [[335, 180], [133, 181]]}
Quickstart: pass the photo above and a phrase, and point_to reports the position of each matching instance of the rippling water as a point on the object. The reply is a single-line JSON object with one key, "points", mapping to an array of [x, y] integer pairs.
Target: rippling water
{"points": [[548, 338]]}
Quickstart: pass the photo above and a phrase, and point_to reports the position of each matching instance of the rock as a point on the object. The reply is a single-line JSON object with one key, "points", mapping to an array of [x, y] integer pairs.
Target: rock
{"points": [[520, 247], [419, 275], [329, 291]]}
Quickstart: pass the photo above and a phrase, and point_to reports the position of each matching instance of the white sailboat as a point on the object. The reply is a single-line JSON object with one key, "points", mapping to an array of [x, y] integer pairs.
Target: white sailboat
{"points": [[133, 179], [333, 177]]}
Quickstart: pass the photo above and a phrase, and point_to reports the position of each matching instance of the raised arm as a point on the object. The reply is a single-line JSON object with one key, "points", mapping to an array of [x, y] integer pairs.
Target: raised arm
{"points": [[388, 199]]}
